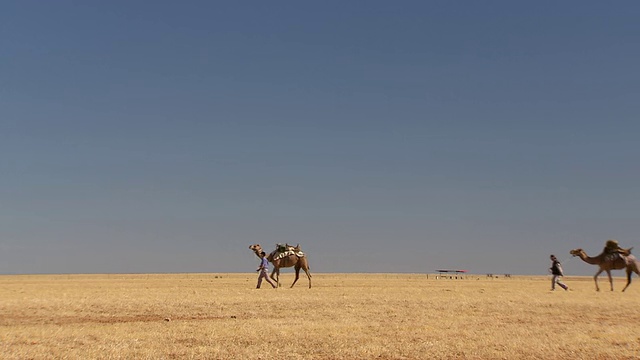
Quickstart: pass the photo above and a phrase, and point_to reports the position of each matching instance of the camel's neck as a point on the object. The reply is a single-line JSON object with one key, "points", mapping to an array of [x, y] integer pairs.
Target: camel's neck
{"points": [[257, 253], [590, 260]]}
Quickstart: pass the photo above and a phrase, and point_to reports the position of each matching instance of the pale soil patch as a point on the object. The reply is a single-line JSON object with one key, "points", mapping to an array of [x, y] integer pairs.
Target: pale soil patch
{"points": [[344, 316]]}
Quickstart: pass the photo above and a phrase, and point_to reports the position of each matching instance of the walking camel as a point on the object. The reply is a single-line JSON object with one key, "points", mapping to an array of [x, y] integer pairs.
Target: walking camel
{"points": [[287, 261], [628, 262]]}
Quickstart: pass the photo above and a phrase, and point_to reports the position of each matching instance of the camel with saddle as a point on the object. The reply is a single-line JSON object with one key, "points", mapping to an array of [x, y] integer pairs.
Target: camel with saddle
{"points": [[284, 256], [612, 257]]}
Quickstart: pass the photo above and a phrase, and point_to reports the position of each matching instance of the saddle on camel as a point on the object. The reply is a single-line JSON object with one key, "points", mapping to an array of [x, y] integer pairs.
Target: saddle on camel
{"points": [[284, 250], [613, 251]]}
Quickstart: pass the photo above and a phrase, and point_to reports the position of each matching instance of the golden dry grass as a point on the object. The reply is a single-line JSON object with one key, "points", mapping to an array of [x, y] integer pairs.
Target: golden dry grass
{"points": [[344, 316]]}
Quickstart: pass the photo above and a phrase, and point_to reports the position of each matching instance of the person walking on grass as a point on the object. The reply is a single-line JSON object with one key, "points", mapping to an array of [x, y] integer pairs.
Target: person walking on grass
{"points": [[263, 270], [556, 271]]}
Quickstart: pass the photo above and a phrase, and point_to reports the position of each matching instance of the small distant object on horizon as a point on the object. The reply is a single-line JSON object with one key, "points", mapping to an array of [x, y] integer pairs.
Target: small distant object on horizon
{"points": [[451, 270]]}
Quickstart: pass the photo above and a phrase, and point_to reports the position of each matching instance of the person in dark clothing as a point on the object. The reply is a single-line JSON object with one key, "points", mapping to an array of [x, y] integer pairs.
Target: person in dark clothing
{"points": [[556, 271]]}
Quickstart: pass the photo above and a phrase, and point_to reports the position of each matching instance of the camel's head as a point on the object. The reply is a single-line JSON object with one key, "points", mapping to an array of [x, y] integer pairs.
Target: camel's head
{"points": [[576, 252], [256, 248]]}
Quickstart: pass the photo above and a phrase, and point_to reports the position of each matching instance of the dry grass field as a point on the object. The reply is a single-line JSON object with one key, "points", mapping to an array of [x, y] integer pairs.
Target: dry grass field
{"points": [[344, 316]]}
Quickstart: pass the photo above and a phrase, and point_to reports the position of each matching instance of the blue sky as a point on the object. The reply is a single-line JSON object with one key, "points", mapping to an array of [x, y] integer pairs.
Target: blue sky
{"points": [[381, 136]]}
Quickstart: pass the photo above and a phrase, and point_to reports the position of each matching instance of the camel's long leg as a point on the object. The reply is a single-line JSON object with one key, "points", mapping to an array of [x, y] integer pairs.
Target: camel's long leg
{"points": [[595, 279], [610, 279], [629, 273], [306, 271], [632, 267], [297, 268], [276, 278]]}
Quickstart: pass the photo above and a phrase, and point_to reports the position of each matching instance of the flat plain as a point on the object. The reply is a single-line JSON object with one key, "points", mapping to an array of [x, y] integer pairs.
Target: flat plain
{"points": [[343, 316]]}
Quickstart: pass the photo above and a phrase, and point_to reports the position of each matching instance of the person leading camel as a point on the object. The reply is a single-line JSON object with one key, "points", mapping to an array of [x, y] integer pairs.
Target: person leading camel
{"points": [[263, 270], [556, 271]]}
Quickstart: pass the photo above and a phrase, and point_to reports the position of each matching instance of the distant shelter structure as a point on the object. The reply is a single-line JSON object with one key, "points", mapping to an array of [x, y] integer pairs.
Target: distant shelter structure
{"points": [[451, 273]]}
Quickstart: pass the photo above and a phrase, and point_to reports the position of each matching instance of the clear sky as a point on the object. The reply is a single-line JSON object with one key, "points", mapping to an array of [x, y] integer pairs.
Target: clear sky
{"points": [[383, 136]]}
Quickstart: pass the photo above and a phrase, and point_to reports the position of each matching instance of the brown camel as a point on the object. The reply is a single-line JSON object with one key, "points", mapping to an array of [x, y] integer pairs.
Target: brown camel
{"points": [[287, 261], [629, 263]]}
